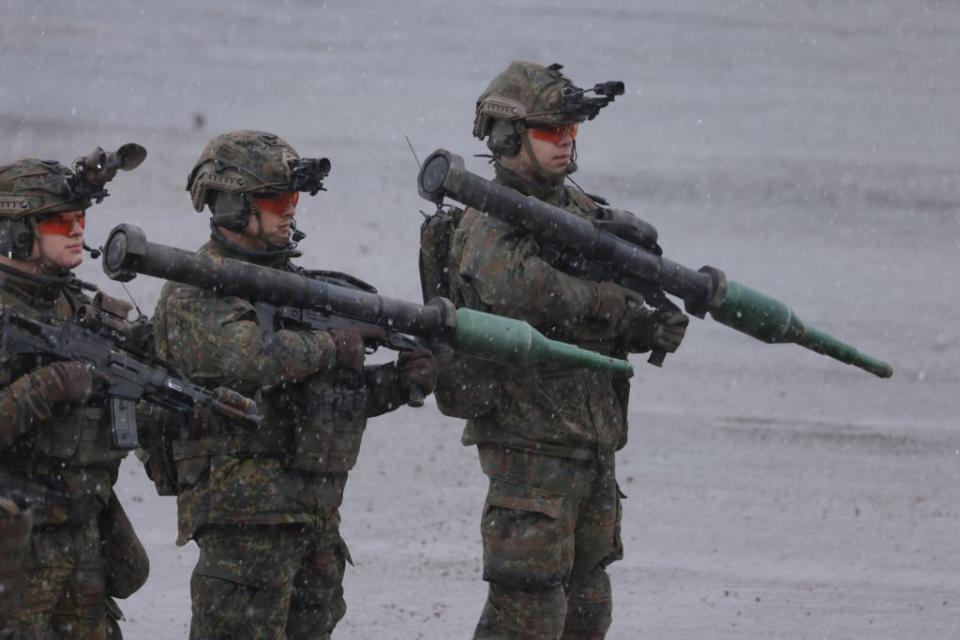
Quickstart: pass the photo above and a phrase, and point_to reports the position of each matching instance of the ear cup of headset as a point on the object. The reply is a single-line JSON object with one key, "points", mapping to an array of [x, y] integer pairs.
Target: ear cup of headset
{"points": [[504, 139], [230, 210], [16, 238]]}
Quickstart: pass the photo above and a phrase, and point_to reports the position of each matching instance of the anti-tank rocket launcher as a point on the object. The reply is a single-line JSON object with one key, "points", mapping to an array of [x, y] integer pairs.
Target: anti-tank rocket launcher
{"points": [[127, 252], [706, 290]]}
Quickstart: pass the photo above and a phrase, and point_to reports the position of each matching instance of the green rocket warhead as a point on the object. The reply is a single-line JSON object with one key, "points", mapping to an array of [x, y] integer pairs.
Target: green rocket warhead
{"points": [[767, 319], [704, 291], [483, 335]]}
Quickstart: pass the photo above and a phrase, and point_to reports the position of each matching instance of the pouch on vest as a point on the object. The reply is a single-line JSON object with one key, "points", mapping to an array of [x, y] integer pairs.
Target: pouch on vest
{"points": [[328, 432], [80, 438]]}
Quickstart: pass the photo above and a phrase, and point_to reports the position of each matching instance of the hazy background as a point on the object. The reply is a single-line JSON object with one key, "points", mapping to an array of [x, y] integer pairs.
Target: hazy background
{"points": [[809, 149]]}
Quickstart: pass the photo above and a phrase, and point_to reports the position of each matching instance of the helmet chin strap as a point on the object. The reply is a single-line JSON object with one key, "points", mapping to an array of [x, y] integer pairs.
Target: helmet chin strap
{"points": [[255, 215], [277, 253]]}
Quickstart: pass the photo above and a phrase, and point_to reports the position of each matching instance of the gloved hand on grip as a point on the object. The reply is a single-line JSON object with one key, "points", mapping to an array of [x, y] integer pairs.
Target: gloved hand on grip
{"points": [[645, 329], [77, 381], [606, 312], [350, 344], [418, 367]]}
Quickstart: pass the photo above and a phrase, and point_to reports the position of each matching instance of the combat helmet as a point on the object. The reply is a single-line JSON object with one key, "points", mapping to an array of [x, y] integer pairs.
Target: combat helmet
{"points": [[32, 189], [238, 163], [527, 94]]}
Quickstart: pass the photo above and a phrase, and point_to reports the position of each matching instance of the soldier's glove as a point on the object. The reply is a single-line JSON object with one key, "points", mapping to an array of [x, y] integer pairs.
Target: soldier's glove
{"points": [[418, 368], [350, 343], [610, 308], [646, 329], [77, 381]]}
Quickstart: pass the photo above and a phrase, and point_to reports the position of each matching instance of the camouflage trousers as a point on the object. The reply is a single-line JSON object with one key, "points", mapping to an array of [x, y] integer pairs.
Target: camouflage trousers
{"points": [[550, 527], [263, 582], [61, 592], [15, 526]]}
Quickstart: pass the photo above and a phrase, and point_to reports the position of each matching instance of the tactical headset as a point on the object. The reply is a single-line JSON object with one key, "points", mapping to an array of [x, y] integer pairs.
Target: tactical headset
{"points": [[16, 238], [505, 138]]}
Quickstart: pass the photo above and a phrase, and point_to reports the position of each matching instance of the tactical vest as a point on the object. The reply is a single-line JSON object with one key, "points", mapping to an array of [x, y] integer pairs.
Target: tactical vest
{"points": [[82, 438], [467, 387], [315, 425], [78, 436], [329, 410], [328, 428]]}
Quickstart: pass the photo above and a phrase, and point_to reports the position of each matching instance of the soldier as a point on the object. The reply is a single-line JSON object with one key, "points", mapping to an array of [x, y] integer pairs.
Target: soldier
{"points": [[551, 522], [264, 506], [56, 452]]}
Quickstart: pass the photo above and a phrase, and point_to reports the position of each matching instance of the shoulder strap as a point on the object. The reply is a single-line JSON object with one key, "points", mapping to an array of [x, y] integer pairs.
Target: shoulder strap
{"points": [[583, 201]]}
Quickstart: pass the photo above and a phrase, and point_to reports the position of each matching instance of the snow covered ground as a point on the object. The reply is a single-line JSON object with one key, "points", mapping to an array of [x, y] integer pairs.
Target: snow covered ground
{"points": [[810, 149]]}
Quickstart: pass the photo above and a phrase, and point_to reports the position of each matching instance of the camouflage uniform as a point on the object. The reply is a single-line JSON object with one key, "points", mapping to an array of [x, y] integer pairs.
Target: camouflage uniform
{"points": [[264, 505], [551, 522], [15, 526], [58, 458]]}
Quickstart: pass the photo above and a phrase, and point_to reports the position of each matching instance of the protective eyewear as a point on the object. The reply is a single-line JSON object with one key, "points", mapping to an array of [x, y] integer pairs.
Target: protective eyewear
{"points": [[61, 224], [276, 203], [554, 134]]}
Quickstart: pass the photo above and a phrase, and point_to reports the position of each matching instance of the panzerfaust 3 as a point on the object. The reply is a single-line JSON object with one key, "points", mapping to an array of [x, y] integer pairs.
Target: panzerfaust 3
{"points": [[483, 335], [704, 291]]}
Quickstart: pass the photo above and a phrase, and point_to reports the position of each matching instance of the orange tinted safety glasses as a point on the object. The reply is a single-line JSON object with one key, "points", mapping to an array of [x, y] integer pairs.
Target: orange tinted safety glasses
{"points": [[555, 134], [276, 203], [61, 224]]}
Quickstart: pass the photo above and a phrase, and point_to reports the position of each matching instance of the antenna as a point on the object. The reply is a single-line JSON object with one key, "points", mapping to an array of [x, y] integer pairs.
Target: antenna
{"points": [[135, 305], [410, 144]]}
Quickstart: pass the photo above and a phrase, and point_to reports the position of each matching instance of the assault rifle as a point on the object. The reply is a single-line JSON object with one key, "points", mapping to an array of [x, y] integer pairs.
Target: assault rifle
{"points": [[92, 336], [706, 290], [483, 335]]}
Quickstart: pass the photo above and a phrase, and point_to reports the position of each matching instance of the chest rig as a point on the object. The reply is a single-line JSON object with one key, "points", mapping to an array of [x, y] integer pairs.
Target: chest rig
{"points": [[327, 412], [77, 436]]}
